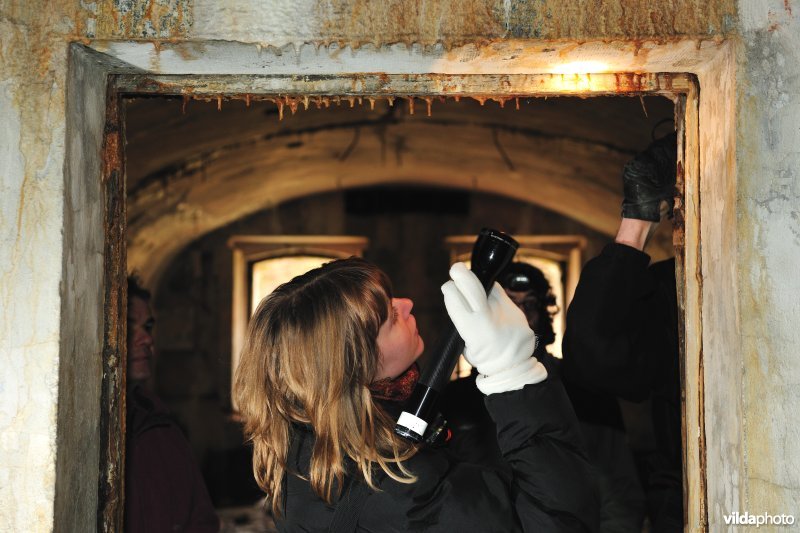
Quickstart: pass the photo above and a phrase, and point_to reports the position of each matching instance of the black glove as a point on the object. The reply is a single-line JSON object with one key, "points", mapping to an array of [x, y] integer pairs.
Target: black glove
{"points": [[649, 178]]}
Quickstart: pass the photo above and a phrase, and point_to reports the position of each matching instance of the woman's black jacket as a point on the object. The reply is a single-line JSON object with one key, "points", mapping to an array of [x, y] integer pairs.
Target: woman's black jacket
{"points": [[546, 486]]}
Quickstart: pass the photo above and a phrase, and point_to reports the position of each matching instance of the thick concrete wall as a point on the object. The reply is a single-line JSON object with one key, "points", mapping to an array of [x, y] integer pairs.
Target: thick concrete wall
{"points": [[451, 22], [721, 347], [768, 212], [80, 361], [33, 55], [457, 22], [33, 286]]}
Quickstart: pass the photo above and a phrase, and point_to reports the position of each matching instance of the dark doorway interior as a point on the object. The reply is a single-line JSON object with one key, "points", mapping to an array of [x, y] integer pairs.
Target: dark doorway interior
{"points": [[406, 223]]}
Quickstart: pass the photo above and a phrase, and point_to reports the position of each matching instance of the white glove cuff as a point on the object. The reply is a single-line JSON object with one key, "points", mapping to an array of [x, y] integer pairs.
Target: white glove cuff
{"points": [[517, 346], [526, 372]]}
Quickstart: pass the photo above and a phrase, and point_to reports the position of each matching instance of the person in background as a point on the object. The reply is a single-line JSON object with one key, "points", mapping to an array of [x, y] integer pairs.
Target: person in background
{"points": [[164, 490], [622, 327]]}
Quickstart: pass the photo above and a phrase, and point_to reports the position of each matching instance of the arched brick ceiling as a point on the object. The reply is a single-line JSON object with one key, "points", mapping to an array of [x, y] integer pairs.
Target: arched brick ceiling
{"points": [[192, 168]]}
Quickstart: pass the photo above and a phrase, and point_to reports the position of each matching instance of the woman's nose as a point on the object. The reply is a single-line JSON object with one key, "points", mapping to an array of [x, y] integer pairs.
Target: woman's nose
{"points": [[404, 305]]}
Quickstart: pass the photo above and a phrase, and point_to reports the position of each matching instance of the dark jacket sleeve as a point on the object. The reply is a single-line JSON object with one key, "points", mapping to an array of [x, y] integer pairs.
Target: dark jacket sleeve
{"points": [[548, 485], [553, 484], [617, 326]]}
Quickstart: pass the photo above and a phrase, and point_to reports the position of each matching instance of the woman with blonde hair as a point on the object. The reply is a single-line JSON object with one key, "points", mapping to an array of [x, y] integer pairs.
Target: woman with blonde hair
{"points": [[328, 361]]}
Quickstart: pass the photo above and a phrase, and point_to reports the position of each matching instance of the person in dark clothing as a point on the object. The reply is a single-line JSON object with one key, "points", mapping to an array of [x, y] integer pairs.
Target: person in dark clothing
{"points": [[622, 326], [164, 490], [599, 416], [328, 360]]}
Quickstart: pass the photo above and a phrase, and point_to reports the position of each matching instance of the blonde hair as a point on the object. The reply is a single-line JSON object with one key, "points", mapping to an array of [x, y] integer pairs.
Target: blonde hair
{"points": [[309, 357]]}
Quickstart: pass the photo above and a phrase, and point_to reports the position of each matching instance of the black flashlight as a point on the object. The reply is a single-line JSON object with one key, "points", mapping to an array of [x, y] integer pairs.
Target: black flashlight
{"points": [[493, 250]]}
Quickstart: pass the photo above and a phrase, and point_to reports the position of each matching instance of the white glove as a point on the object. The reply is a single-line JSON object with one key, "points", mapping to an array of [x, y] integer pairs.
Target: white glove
{"points": [[498, 340]]}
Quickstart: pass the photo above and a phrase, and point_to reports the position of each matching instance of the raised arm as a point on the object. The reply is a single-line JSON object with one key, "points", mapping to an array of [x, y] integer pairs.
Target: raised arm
{"points": [[552, 486], [618, 318]]}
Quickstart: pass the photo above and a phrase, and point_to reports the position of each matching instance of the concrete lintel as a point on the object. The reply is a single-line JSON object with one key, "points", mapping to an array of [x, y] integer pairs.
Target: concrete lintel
{"points": [[500, 57], [481, 86]]}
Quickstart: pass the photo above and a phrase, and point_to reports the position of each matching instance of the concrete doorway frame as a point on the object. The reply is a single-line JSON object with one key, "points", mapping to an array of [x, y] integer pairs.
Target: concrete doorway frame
{"points": [[95, 254]]}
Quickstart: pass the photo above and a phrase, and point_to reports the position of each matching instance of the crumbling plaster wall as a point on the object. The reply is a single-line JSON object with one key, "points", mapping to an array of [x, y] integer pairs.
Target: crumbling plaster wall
{"points": [[33, 288]]}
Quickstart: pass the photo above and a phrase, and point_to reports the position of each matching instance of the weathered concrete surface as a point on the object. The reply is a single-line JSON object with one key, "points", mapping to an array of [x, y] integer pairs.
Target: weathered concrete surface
{"points": [[452, 22], [82, 313], [125, 19], [457, 22], [33, 59], [768, 207], [496, 57], [719, 309]]}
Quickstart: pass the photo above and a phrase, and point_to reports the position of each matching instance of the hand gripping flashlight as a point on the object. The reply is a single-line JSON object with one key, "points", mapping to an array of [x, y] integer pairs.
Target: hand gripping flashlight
{"points": [[491, 253]]}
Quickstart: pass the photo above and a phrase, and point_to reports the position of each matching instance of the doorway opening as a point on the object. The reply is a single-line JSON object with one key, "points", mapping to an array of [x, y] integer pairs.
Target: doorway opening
{"points": [[379, 158], [427, 88]]}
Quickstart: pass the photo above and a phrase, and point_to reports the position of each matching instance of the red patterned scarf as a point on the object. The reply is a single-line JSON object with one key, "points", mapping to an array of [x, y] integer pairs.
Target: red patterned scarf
{"points": [[396, 389]]}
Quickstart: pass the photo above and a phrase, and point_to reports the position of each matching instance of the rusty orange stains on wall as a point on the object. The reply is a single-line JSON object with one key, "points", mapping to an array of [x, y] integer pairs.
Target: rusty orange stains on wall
{"points": [[357, 22], [150, 19], [111, 153], [31, 38], [457, 22], [621, 19], [33, 56]]}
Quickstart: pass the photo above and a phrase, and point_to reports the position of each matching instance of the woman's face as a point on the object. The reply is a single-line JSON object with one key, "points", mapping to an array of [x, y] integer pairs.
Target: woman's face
{"points": [[399, 342]]}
